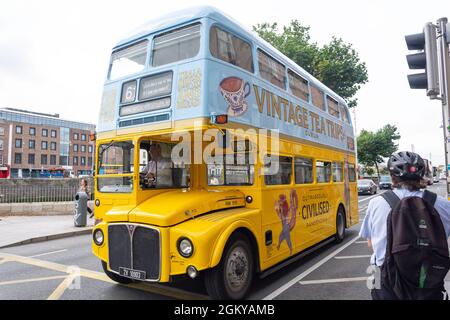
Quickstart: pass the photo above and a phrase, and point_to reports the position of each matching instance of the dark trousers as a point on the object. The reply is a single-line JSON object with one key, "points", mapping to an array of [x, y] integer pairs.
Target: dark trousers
{"points": [[385, 293]]}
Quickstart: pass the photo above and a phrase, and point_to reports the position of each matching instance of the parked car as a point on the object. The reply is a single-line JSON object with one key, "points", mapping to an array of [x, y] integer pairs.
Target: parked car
{"points": [[385, 182], [366, 186]]}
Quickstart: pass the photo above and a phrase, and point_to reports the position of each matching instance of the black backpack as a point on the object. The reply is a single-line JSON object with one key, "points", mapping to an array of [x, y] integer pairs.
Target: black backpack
{"points": [[417, 257]]}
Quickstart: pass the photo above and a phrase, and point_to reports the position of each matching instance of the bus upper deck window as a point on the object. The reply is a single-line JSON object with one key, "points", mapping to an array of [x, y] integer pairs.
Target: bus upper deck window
{"points": [[317, 98], [229, 48], [333, 108], [176, 45], [298, 85], [129, 60], [271, 70]]}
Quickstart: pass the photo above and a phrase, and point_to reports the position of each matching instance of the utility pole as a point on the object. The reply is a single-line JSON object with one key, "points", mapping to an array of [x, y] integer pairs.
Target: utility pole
{"points": [[443, 30]]}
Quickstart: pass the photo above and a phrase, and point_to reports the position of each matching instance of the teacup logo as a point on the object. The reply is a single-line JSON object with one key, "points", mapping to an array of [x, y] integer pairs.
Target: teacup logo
{"points": [[234, 90]]}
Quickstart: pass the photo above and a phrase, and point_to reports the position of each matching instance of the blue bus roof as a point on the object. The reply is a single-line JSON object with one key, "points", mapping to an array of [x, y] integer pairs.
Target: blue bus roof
{"points": [[194, 13]]}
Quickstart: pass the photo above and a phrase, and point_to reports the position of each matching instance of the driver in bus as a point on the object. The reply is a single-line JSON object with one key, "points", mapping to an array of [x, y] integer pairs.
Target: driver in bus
{"points": [[158, 170]]}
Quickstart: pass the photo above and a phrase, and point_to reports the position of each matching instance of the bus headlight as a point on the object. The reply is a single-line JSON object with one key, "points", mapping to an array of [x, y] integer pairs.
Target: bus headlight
{"points": [[185, 247], [97, 202], [98, 237]]}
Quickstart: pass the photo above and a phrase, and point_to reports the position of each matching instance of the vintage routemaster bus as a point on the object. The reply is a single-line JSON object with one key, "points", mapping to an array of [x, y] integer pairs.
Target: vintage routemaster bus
{"points": [[287, 183]]}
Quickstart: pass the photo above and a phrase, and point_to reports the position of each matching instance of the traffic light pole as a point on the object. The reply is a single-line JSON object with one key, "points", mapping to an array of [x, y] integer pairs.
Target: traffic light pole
{"points": [[445, 90]]}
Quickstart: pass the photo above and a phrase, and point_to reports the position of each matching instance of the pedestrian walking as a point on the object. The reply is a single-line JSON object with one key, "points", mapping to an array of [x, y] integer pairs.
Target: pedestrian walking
{"points": [[84, 188], [408, 230]]}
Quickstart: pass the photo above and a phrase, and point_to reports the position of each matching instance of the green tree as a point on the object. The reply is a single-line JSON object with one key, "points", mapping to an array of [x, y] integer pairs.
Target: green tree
{"points": [[336, 64], [374, 146]]}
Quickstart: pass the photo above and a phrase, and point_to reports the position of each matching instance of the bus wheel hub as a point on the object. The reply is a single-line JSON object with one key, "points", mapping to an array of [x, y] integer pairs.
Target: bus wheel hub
{"points": [[237, 268]]}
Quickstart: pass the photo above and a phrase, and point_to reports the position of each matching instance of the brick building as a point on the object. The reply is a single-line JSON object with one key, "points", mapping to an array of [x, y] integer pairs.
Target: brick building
{"points": [[35, 144]]}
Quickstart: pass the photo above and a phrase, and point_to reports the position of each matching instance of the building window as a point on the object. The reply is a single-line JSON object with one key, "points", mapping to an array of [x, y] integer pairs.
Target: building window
{"points": [[19, 129], [83, 161], [53, 146], [32, 144], [44, 145], [31, 158], [1, 159], [18, 143], [83, 148], [17, 158], [83, 137], [75, 148], [90, 161], [45, 132], [53, 160], [63, 160], [32, 131], [75, 136], [44, 159], [90, 149], [75, 161], [53, 133], [2, 131], [1, 144]]}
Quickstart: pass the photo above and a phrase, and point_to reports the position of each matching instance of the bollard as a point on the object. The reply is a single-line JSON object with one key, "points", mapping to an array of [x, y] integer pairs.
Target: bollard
{"points": [[80, 211]]}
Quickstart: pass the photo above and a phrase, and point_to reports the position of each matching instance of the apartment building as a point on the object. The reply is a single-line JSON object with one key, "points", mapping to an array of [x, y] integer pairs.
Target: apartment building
{"points": [[34, 144]]}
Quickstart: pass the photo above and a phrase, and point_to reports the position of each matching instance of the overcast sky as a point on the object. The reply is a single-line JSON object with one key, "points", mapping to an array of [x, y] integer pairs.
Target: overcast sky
{"points": [[54, 54]]}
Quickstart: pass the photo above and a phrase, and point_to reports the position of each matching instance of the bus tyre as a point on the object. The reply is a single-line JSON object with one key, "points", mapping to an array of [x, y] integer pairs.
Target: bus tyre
{"points": [[340, 225], [115, 277], [232, 278]]}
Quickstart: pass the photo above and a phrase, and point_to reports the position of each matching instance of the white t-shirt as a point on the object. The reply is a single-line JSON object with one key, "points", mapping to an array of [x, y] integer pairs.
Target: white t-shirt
{"points": [[374, 226], [162, 170]]}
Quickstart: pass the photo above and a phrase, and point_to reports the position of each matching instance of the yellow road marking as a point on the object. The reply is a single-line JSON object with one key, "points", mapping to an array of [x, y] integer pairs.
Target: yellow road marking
{"points": [[62, 287], [148, 287], [4, 283], [3, 261]]}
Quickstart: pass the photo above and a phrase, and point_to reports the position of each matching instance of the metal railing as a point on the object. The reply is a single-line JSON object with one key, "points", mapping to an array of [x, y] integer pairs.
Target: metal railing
{"points": [[37, 193]]}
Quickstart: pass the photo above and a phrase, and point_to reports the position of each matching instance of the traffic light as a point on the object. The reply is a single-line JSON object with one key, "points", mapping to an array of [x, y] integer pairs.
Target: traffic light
{"points": [[426, 59]]}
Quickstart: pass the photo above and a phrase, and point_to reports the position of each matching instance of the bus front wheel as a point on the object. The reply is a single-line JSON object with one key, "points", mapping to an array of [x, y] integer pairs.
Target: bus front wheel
{"points": [[232, 278], [340, 225], [115, 277]]}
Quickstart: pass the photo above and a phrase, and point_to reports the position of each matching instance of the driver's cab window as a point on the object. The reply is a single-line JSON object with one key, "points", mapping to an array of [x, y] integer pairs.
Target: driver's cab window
{"points": [[156, 168]]}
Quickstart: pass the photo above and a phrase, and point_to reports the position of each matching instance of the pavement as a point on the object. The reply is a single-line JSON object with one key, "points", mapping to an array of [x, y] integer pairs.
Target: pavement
{"points": [[19, 230]]}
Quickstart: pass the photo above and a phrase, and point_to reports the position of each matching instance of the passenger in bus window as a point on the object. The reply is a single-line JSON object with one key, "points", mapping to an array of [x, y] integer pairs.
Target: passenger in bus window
{"points": [[158, 170]]}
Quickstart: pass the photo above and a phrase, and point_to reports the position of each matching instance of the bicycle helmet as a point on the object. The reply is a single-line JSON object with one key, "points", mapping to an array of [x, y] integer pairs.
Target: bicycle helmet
{"points": [[406, 165]]}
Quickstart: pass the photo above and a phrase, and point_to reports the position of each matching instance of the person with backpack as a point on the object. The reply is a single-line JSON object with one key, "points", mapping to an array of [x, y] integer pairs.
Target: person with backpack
{"points": [[408, 230]]}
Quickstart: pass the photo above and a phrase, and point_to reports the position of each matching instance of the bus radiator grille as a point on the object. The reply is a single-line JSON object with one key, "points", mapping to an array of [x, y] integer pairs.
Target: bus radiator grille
{"points": [[134, 247]]}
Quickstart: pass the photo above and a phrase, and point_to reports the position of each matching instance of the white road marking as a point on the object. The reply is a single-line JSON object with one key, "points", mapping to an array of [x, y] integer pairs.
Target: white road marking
{"points": [[47, 253], [353, 257], [375, 195], [307, 272], [333, 280], [359, 242]]}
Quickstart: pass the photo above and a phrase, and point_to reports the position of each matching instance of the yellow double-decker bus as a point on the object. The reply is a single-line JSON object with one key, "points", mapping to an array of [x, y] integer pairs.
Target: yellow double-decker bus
{"points": [[216, 156]]}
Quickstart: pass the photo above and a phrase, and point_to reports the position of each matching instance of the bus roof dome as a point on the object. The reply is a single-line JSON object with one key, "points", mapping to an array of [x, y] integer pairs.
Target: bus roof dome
{"points": [[171, 19]]}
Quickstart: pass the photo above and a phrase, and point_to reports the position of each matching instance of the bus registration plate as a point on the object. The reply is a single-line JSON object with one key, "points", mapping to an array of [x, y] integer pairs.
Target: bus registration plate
{"points": [[133, 274]]}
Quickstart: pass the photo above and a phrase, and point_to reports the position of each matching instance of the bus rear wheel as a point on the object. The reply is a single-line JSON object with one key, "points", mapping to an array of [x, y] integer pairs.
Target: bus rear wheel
{"points": [[340, 225], [114, 276], [232, 278]]}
